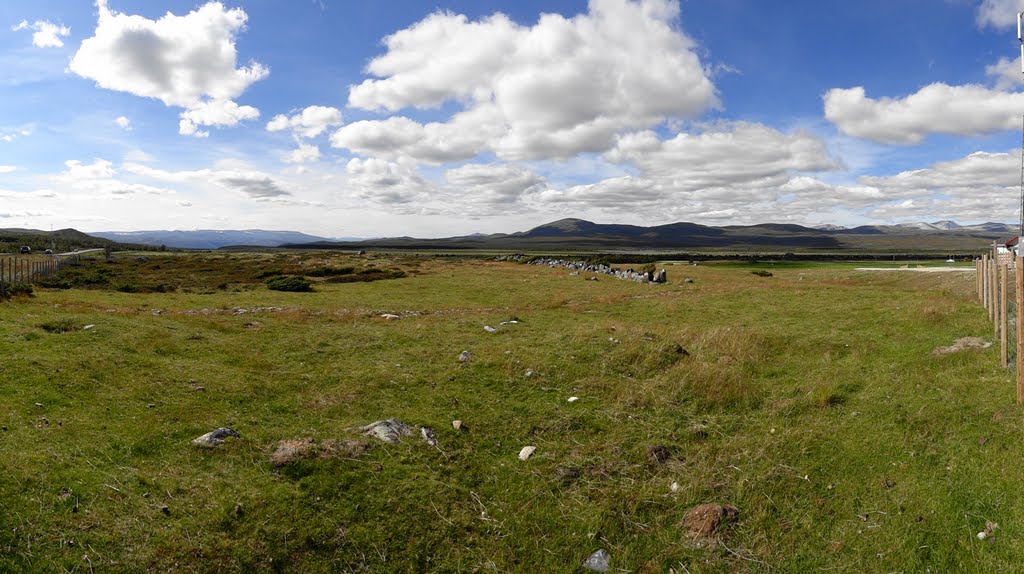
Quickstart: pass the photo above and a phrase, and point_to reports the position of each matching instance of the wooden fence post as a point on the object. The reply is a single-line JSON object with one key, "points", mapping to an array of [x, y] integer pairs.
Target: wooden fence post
{"points": [[984, 281], [1003, 285], [991, 290], [977, 278], [1019, 295]]}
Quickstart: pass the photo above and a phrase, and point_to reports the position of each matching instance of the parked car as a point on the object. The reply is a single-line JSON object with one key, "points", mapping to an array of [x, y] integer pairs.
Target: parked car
{"points": [[25, 250]]}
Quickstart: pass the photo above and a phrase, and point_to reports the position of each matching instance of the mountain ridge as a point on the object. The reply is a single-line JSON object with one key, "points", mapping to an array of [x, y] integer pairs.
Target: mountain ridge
{"points": [[583, 234]]}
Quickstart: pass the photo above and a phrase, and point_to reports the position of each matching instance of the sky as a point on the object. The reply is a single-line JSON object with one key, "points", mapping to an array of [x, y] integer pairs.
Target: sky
{"points": [[430, 119]]}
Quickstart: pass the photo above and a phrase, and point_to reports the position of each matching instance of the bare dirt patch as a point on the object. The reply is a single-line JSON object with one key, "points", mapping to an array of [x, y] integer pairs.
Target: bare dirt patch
{"points": [[961, 344], [294, 450], [705, 521]]}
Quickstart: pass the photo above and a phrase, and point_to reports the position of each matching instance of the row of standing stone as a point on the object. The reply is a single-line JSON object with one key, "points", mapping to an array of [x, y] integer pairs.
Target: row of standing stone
{"points": [[626, 274]]}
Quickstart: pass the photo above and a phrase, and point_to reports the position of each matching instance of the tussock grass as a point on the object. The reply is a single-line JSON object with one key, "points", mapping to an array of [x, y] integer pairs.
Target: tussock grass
{"points": [[808, 401]]}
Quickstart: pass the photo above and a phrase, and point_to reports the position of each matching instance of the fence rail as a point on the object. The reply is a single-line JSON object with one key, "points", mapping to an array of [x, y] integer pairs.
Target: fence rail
{"points": [[23, 270]]}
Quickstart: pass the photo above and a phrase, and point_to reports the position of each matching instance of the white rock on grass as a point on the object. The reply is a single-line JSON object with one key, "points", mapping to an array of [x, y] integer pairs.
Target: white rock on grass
{"points": [[457, 425], [527, 452], [428, 436], [390, 317], [464, 356], [87, 327], [214, 438], [490, 329], [573, 399], [390, 430], [597, 562]]}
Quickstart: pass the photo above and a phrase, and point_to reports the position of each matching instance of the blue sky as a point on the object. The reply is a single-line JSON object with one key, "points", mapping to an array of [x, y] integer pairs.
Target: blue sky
{"points": [[434, 119]]}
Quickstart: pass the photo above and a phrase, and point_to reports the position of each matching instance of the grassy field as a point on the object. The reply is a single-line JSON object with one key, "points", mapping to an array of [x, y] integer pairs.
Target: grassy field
{"points": [[809, 400]]}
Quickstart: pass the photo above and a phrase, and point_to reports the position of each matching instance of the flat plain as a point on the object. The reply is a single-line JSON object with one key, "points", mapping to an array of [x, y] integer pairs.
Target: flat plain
{"points": [[810, 400]]}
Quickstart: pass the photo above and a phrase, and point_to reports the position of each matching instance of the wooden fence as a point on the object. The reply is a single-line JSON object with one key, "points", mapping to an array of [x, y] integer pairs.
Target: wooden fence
{"points": [[28, 270], [994, 285]]}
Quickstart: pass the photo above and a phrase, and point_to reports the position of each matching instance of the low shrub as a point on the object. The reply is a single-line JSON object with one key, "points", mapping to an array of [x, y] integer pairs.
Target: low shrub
{"points": [[135, 288], [330, 271], [59, 326], [289, 283], [269, 273], [762, 273], [367, 275], [17, 290]]}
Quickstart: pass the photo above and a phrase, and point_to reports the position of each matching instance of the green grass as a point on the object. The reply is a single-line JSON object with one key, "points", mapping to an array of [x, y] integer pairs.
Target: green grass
{"points": [[809, 400]]}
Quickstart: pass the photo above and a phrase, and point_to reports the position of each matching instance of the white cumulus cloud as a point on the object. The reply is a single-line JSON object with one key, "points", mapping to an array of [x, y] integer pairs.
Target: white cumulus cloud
{"points": [[1000, 14], [7, 168], [308, 123], [305, 153], [45, 34], [494, 183], [934, 109], [184, 61], [554, 89], [123, 122]]}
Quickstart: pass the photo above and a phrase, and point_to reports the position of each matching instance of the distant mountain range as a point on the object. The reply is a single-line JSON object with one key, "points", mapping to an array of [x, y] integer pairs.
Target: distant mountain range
{"points": [[944, 225], [567, 234], [941, 236], [211, 238]]}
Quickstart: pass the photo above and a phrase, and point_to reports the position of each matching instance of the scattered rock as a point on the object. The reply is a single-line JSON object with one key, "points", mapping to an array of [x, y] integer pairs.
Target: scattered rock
{"points": [[592, 279], [165, 510], [457, 425], [674, 487], [530, 373], [527, 452], [88, 327], [428, 436], [293, 450], [215, 437], [887, 483], [658, 454], [151, 406], [390, 431], [572, 399], [688, 280], [681, 351], [705, 520], [490, 329], [990, 530], [464, 356], [40, 405], [597, 562], [390, 317], [961, 344], [238, 509]]}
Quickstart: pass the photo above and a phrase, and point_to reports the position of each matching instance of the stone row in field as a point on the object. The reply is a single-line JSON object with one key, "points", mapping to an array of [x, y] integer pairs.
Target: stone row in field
{"points": [[627, 274]]}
